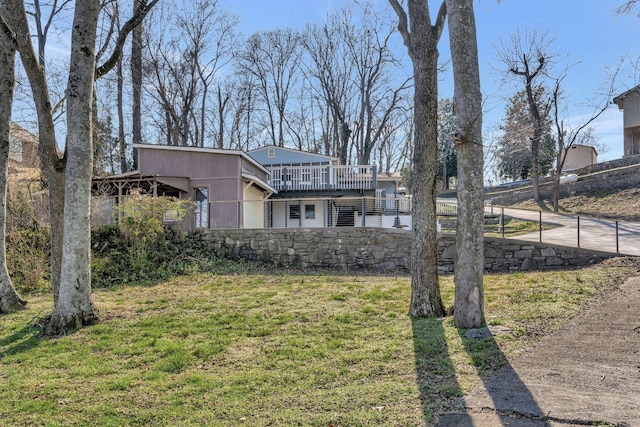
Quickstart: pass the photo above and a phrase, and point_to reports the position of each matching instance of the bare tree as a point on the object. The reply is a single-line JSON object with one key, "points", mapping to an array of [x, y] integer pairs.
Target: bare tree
{"points": [[469, 262], [9, 300], [367, 46], [628, 7], [183, 61], [581, 134], [421, 38], [136, 84], [529, 58], [273, 58], [53, 166], [331, 69], [69, 218]]}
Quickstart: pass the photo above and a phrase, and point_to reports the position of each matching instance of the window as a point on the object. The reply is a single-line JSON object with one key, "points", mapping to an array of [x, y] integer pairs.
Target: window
{"points": [[310, 211], [271, 152], [201, 209], [294, 212]]}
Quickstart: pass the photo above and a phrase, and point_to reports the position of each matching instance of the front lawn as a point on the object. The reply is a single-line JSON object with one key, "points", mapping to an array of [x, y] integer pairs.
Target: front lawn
{"points": [[273, 349]]}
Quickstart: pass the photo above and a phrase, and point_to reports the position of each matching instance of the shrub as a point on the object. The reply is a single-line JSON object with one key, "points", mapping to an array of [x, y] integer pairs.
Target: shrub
{"points": [[29, 259]]}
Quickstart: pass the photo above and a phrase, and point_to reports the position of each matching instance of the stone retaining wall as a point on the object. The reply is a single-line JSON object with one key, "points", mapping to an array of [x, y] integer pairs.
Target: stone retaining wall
{"points": [[381, 249], [620, 178]]}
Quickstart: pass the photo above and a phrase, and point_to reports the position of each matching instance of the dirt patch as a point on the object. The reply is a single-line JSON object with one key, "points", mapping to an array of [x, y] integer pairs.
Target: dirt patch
{"points": [[586, 373]]}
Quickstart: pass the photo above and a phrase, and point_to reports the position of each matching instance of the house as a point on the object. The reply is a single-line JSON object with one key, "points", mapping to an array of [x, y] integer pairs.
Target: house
{"points": [[629, 103], [315, 190], [23, 147], [579, 156], [227, 187]]}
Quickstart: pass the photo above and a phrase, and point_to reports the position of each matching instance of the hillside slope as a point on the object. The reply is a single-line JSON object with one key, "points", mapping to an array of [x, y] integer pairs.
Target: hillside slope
{"points": [[623, 205]]}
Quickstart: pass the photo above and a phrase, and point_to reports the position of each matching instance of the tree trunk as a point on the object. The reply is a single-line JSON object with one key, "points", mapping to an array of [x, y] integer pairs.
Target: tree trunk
{"points": [[422, 44], [75, 308], [9, 300], [469, 262], [425, 290], [535, 141], [52, 165], [136, 80], [122, 143]]}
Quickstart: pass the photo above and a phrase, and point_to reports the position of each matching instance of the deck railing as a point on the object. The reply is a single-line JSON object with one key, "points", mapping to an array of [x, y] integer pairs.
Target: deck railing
{"points": [[315, 178]]}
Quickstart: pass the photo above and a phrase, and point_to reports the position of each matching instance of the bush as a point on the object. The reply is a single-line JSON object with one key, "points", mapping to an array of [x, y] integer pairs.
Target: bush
{"points": [[29, 259], [142, 249]]}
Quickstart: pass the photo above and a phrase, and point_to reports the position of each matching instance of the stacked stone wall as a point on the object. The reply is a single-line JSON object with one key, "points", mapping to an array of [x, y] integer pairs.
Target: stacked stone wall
{"points": [[381, 249]]}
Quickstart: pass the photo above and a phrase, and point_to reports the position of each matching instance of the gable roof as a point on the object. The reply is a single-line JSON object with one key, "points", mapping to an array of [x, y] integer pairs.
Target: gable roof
{"points": [[619, 100], [283, 155], [203, 150]]}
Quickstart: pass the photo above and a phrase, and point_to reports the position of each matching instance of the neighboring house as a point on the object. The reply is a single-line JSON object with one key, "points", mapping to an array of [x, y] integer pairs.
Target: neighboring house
{"points": [[629, 103], [228, 187], [23, 146], [316, 191], [579, 156]]}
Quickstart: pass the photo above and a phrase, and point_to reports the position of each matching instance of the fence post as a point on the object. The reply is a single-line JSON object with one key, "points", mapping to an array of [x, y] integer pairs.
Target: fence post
{"points": [[364, 212], [617, 241], [540, 225], [578, 230], [502, 220]]}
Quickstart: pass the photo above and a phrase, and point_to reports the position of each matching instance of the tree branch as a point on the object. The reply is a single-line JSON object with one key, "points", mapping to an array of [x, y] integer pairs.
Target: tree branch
{"points": [[403, 24], [135, 20], [440, 20]]}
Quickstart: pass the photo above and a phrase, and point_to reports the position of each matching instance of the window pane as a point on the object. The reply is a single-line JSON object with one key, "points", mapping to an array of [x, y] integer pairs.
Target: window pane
{"points": [[310, 211]]}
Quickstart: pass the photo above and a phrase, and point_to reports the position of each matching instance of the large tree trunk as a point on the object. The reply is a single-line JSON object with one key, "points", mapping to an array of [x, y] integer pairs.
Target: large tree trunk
{"points": [[75, 308], [425, 291], [9, 300], [422, 44], [469, 262], [52, 165]]}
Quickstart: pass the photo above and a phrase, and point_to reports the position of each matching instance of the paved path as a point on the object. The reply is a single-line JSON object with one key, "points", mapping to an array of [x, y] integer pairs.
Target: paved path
{"points": [[585, 374], [597, 234]]}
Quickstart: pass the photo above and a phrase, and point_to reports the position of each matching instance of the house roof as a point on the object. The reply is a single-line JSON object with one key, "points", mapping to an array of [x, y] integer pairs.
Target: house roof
{"points": [[394, 177], [252, 179], [293, 151], [582, 146], [203, 150], [18, 132], [619, 100]]}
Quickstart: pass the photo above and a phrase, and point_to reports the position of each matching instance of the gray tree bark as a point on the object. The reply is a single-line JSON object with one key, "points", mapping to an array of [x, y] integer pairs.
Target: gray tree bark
{"points": [[469, 262], [136, 80], [422, 44], [52, 165], [75, 308], [9, 300]]}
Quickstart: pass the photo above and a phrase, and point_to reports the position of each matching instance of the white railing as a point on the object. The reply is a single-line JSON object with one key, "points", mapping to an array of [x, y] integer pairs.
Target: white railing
{"points": [[314, 178]]}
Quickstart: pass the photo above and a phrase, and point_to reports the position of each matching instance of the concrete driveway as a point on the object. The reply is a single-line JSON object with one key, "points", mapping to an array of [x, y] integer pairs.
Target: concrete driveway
{"points": [[596, 234]]}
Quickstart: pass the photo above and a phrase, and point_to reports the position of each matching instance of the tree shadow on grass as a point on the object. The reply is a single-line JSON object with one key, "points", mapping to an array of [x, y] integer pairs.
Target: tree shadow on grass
{"points": [[435, 370], [22, 340], [505, 395]]}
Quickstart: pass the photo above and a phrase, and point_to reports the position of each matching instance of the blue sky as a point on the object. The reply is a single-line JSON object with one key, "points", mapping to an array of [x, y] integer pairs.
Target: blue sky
{"points": [[588, 35]]}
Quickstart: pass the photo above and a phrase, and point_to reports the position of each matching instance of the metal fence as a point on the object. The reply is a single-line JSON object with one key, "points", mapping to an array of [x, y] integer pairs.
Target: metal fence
{"points": [[614, 236]]}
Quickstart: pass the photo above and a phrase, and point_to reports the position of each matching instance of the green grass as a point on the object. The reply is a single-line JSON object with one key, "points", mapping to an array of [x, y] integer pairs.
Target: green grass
{"points": [[272, 349]]}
